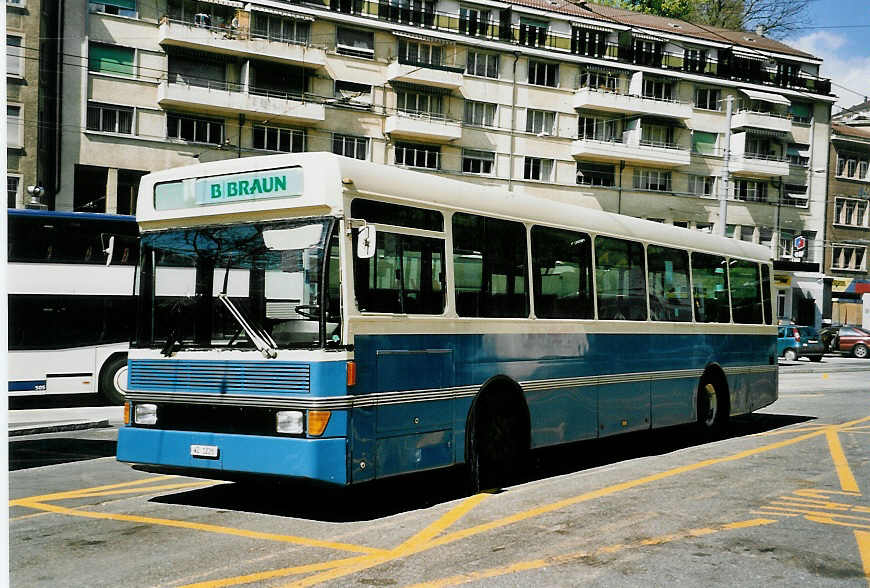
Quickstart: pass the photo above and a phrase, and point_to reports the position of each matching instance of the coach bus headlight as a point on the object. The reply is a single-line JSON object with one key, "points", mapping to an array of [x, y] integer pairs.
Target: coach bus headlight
{"points": [[289, 422], [145, 414]]}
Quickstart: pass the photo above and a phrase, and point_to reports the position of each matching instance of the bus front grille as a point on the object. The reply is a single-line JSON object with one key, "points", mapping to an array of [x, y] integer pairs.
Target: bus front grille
{"points": [[219, 377]]}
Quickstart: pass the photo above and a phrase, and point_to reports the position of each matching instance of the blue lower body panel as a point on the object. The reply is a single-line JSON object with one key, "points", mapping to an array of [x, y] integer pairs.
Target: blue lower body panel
{"points": [[316, 459]]}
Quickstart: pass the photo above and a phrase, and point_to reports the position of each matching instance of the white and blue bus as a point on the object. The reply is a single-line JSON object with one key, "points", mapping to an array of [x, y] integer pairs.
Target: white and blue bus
{"points": [[321, 317], [70, 316]]}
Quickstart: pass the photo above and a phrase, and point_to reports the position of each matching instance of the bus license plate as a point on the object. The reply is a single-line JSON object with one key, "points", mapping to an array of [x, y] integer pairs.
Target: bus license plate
{"points": [[208, 451]]}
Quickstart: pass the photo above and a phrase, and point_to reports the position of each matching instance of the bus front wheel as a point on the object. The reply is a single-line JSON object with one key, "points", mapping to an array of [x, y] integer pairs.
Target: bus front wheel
{"points": [[113, 380], [712, 407], [498, 442]]}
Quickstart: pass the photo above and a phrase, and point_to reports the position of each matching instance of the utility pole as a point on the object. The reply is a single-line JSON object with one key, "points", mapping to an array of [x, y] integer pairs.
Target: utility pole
{"points": [[726, 173]]}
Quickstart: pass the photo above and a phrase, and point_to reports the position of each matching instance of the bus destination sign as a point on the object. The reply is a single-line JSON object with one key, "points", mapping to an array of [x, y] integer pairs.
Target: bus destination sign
{"points": [[275, 183]]}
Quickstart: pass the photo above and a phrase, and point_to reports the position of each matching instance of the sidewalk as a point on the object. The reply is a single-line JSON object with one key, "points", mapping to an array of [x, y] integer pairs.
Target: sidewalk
{"points": [[830, 363], [52, 420]]}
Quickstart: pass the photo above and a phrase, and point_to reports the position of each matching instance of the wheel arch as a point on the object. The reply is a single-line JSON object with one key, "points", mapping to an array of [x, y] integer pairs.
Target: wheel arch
{"points": [[516, 399], [715, 373]]}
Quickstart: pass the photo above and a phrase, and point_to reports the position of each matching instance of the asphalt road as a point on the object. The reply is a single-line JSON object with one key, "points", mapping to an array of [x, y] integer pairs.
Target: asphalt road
{"points": [[784, 500]]}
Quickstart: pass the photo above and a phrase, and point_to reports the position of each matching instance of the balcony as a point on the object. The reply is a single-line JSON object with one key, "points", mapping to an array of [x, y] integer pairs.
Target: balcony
{"points": [[238, 42], [224, 98], [425, 75], [594, 99], [767, 166], [427, 127], [633, 152], [747, 119]]}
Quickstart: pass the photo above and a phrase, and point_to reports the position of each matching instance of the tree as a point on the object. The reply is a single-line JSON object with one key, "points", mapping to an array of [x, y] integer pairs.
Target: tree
{"points": [[682, 9]]}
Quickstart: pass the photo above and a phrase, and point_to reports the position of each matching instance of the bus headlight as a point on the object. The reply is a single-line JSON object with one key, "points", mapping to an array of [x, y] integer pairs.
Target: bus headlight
{"points": [[145, 414], [289, 422]]}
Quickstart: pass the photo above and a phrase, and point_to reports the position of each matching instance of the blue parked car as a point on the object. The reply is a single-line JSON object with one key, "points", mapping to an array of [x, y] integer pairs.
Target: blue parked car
{"points": [[795, 342]]}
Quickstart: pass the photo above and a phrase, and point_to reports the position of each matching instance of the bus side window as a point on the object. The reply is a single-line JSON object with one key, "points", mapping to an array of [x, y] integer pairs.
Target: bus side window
{"points": [[669, 297], [710, 288], [620, 279], [745, 282], [765, 294], [490, 266], [562, 273]]}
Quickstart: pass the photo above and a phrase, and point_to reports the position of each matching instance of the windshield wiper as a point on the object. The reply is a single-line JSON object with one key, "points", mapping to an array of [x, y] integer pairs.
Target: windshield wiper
{"points": [[259, 337]]}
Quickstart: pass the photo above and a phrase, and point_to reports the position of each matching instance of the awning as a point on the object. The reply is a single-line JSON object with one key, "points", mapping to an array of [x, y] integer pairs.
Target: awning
{"points": [[409, 87], [767, 97], [231, 3], [422, 38], [768, 133], [603, 69], [591, 27], [279, 12], [645, 37]]}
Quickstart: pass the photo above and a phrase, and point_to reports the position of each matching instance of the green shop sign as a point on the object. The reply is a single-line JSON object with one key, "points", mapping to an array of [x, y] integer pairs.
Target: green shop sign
{"points": [[276, 183]]}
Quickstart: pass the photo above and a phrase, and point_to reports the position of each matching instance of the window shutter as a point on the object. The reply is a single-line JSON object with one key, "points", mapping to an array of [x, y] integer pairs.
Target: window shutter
{"points": [[110, 59], [128, 4]]}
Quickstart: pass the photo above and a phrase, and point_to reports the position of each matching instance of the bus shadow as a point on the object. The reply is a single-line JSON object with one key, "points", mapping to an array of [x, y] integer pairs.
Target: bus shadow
{"points": [[383, 498], [34, 453]]}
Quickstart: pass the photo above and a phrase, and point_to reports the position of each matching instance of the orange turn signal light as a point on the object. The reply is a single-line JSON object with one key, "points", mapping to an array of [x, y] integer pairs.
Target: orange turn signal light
{"points": [[317, 421], [126, 413], [351, 374]]}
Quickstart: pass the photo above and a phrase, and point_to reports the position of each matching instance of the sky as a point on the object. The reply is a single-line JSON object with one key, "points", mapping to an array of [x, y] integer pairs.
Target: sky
{"points": [[846, 51]]}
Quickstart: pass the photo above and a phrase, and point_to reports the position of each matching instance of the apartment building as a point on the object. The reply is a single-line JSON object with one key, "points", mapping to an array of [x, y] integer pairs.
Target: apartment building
{"points": [[31, 92], [575, 102], [848, 231]]}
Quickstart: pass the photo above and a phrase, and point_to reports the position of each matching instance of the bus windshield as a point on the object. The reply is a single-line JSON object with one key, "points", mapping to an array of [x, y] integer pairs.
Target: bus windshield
{"points": [[237, 286]]}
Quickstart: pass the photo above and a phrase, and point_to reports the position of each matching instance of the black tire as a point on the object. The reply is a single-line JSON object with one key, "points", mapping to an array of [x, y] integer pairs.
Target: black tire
{"points": [[860, 351], [790, 355], [113, 380], [498, 442], [815, 358], [713, 407]]}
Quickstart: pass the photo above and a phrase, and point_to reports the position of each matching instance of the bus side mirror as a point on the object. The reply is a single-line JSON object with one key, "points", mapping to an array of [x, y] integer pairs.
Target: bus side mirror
{"points": [[366, 242]]}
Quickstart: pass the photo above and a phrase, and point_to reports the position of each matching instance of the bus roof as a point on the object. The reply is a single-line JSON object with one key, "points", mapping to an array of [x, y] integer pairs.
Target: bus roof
{"points": [[71, 215], [326, 176]]}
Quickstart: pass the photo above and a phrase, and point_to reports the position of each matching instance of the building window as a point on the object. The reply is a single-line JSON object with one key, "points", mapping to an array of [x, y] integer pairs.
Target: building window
{"points": [[533, 33], [704, 227], [477, 162], [656, 180], [850, 212], [648, 52], [278, 139], [708, 99], [658, 89], [801, 112], [704, 143], [595, 174], [535, 168], [479, 113], [473, 21], [194, 129], [543, 74], [111, 59], [695, 60], [798, 154], [847, 257], [116, 7], [600, 80], [794, 195], [482, 64], [657, 135], [14, 55], [13, 184], [412, 12], [109, 119], [704, 186], [542, 122], [355, 42], [414, 53], [598, 129], [750, 190], [350, 146], [353, 94], [14, 126], [419, 103], [276, 28], [89, 188], [758, 147], [588, 42], [415, 155]]}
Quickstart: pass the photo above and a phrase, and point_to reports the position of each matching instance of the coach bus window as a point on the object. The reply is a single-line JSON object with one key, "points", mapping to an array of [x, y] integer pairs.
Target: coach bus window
{"points": [[562, 272], [490, 265], [710, 288], [41, 239], [765, 294], [620, 279], [52, 321], [405, 276], [745, 292], [669, 298], [395, 214]]}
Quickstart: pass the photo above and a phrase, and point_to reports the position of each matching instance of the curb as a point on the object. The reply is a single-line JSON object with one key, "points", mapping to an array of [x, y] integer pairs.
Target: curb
{"points": [[820, 368], [36, 428]]}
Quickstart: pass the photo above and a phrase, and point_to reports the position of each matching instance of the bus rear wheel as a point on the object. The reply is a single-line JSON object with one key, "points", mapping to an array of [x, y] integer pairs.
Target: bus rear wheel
{"points": [[113, 380], [712, 407], [498, 445]]}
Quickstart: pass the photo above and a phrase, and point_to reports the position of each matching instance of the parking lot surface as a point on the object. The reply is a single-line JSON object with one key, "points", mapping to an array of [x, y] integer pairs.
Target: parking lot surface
{"points": [[783, 499]]}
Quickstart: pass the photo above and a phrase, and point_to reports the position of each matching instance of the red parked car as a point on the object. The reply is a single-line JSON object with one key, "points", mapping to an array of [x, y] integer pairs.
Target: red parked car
{"points": [[854, 340]]}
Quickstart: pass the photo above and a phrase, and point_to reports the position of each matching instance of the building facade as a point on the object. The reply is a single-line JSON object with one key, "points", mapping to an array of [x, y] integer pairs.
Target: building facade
{"points": [[848, 232], [31, 92], [583, 103]]}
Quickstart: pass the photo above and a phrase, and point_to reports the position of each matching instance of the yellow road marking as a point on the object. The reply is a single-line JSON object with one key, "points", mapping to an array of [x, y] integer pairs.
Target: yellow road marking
{"points": [[841, 464], [444, 522], [571, 557], [203, 527], [76, 493], [815, 513], [268, 575], [863, 539]]}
